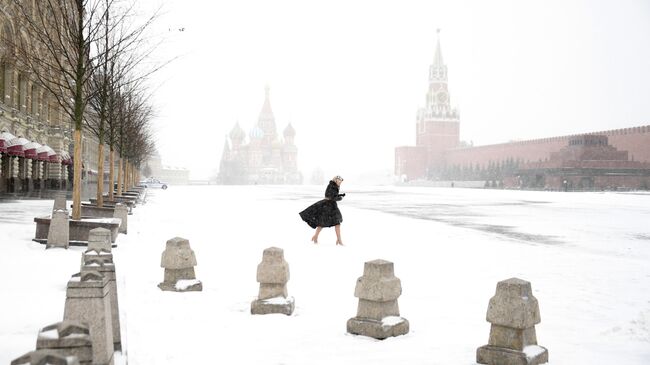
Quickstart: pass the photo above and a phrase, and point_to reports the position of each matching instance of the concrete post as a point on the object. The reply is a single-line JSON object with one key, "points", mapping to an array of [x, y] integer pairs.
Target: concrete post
{"points": [[60, 201], [378, 312], [102, 261], [99, 239], [68, 338], [513, 312], [273, 275], [122, 212], [178, 260], [59, 231], [45, 357], [87, 300]]}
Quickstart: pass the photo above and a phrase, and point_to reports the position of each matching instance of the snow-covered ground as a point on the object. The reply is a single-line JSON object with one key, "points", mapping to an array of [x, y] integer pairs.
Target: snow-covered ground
{"points": [[587, 256]]}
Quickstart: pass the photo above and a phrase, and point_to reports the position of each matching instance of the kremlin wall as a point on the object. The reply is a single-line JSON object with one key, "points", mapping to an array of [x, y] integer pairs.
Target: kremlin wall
{"points": [[602, 160]]}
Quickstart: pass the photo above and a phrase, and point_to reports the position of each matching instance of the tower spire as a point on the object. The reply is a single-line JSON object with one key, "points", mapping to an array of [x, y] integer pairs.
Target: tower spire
{"points": [[266, 120], [437, 59]]}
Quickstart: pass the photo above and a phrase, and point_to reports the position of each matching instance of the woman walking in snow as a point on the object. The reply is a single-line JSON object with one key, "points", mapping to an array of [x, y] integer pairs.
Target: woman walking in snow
{"points": [[326, 213]]}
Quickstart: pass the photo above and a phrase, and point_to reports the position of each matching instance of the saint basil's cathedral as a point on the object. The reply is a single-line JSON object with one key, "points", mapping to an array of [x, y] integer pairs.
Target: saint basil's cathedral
{"points": [[265, 158]]}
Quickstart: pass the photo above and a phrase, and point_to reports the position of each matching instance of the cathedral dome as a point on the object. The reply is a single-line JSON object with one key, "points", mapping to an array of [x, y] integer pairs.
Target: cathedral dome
{"points": [[237, 133], [256, 133], [289, 131]]}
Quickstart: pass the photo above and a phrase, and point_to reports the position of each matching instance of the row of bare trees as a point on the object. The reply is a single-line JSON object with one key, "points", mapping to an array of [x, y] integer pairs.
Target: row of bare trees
{"points": [[89, 55]]}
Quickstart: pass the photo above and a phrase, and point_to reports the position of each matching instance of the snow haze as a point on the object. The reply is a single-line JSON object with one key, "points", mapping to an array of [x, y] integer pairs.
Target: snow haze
{"points": [[350, 76]]}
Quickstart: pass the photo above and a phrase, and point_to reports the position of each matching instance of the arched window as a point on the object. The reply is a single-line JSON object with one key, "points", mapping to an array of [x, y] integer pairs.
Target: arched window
{"points": [[33, 105], [22, 92]]}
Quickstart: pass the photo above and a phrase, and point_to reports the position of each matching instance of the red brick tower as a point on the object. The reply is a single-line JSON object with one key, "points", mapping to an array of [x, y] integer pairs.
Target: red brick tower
{"points": [[436, 131], [437, 123]]}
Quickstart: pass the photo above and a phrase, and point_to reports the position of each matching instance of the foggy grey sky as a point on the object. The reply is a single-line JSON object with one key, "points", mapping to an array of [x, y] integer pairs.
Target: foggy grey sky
{"points": [[350, 75]]}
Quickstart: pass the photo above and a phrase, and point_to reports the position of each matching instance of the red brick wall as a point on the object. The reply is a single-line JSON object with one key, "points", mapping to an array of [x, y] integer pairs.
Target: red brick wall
{"points": [[410, 161], [634, 140], [439, 136]]}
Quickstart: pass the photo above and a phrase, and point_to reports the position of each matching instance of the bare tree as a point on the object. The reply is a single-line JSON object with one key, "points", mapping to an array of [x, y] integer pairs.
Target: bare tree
{"points": [[72, 42], [122, 50], [133, 135], [63, 32]]}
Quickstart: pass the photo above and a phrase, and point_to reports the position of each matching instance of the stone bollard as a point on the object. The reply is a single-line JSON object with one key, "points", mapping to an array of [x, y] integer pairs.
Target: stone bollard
{"points": [[378, 312], [273, 274], [122, 212], [99, 239], [513, 312], [178, 260], [45, 357], [58, 234], [102, 261], [60, 200], [68, 338], [87, 300]]}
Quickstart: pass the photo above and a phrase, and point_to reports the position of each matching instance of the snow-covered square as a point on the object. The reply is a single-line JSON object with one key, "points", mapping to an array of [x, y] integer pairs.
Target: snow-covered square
{"points": [[587, 256]]}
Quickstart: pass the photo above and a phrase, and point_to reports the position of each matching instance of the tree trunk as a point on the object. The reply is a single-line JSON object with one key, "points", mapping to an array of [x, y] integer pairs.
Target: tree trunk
{"points": [[76, 180], [119, 176], [111, 174], [100, 175], [126, 175], [131, 176]]}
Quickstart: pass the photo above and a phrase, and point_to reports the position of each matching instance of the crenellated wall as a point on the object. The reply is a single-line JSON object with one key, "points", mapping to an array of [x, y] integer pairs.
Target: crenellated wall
{"points": [[635, 140]]}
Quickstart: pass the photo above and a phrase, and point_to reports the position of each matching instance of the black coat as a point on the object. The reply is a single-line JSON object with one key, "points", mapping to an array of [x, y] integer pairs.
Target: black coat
{"points": [[324, 213]]}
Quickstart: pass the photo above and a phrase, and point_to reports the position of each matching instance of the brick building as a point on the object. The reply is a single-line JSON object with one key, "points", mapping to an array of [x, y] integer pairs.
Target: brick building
{"points": [[439, 155], [36, 141]]}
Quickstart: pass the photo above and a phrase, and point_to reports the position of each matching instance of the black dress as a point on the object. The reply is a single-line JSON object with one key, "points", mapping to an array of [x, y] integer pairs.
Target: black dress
{"points": [[324, 213]]}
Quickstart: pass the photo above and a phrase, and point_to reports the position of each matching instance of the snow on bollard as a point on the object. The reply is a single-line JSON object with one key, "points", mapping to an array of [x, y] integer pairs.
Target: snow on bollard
{"points": [[122, 212], [58, 234], [68, 338], [102, 261], [60, 200], [99, 239], [273, 275], [45, 357], [178, 260], [378, 312], [87, 300], [513, 312]]}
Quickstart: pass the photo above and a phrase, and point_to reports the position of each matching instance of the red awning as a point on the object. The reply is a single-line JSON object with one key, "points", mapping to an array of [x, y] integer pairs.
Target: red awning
{"points": [[30, 150], [43, 152], [53, 157], [16, 146], [65, 158], [5, 137]]}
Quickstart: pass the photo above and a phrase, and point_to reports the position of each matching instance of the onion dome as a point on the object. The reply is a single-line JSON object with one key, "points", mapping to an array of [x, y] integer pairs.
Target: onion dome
{"points": [[237, 134], [256, 133], [289, 131]]}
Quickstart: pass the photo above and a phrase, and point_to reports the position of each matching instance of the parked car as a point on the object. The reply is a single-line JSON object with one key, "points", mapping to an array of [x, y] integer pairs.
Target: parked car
{"points": [[153, 183]]}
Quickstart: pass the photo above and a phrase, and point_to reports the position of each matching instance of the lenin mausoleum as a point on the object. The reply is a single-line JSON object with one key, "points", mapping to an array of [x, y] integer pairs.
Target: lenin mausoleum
{"points": [[613, 159]]}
